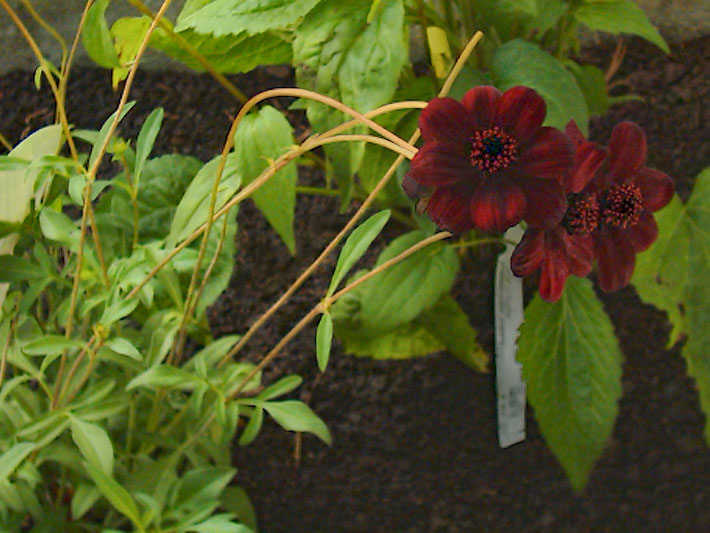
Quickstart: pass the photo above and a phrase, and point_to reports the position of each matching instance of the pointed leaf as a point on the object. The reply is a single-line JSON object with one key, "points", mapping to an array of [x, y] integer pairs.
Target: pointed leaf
{"points": [[324, 339], [572, 367], [253, 427], [116, 494], [12, 458], [357, 244], [281, 387], [262, 137], [93, 443], [146, 140], [96, 36], [165, 376], [103, 132], [294, 415], [51, 344]]}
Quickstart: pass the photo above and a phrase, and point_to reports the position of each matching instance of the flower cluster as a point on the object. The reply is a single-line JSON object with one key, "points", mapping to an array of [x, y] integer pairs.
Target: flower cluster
{"points": [[488, 163]]}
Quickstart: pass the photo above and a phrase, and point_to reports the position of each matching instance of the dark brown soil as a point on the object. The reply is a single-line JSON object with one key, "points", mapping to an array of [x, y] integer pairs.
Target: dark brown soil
{"points": [[415, 445]]}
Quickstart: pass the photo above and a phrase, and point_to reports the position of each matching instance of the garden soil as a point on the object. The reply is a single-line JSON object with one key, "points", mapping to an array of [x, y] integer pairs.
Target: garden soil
{"points": [[414, 442]]}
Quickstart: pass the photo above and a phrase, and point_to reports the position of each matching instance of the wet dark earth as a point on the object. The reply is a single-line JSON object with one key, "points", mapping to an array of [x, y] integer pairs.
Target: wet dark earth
{"points": [[415, 446]]}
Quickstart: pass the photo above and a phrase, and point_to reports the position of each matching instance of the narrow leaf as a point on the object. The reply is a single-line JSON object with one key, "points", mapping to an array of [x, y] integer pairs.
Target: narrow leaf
{"points": [[116, 494], [324, 339], [103, 132], [253, 427], [50, 344], [294, 415], [96, 36], [12, 458], [572, 367], [93, 443], [165, 376], [281, 387], [146, 140]]}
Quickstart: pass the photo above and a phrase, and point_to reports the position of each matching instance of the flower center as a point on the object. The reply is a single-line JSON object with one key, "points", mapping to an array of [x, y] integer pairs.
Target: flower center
{"points": [[622, 205], [492, 150], [582, 215]]}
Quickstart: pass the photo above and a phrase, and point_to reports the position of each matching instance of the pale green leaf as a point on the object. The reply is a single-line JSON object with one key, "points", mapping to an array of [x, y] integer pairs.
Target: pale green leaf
{"points": [[252, 16], [51, 344], [93, 443], [58, 227], [572, 367], [405, 341], [283, 386], [294, 415], [12, 458], [128, 34], [324, 339], [261, 138], [519, 62], [165, 376], [619, 16]]}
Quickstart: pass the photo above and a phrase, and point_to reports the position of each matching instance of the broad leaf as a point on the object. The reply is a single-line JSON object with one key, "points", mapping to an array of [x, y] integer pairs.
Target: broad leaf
{"points": [[128, 34], [619, 16], [253, 16], [412, 339], [261, 138], [593, 85], [572, 367], [294, 415], [519, 62], [93, 443]]}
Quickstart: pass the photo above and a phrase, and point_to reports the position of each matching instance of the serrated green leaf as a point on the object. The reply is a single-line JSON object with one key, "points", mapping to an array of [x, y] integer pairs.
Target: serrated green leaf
{"points": [[519, 62], [263, 137], [116, 494], [355, 246], [12, 458], [93, 443], [572, 367], [449, 324], [619, 16], [252, 16], [96, 36], [324, 339], [146, 140], [294, 415], [165, 376], [230, 54], [193, 208]]}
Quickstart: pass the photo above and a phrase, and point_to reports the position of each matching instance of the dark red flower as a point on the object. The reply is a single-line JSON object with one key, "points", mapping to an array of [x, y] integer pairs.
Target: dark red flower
{"points": [[568, 248], [490, 163], [628, 193]]}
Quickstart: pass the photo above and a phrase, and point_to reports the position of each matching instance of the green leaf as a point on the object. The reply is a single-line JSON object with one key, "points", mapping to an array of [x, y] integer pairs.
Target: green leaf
{"points": [[204, 484], [93, 443], [661, 272], [324, 339], [58, 227], [128, 34], [572, 367], [338, 54], [253, 427], [230, 54], [402, 292], [193, 208], [104, 131], [211, 354], [84, 499], [294, 415], [8, 163], [165, 376], [263, 137], [449, 324], [15, 269], [236, 500], [281, 387], [12, 458], [220, 523], [519, 62], [124, 347], [146, 140], [593, 85], [405, 341], [619, 16], [355, 246], [50, 344], [252, 16], [96, 36], [116, 494]]}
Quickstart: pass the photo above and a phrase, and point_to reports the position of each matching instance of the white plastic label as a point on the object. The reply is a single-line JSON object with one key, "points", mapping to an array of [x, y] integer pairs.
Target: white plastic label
{"points": [[510, 389]]}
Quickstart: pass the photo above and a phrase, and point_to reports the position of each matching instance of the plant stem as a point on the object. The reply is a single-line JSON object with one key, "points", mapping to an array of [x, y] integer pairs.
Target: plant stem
{"points": [[63, 80]]}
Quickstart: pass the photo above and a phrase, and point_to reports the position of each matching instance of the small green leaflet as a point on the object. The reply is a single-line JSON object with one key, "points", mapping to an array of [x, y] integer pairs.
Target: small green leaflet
{"points": [[146, 140], [294, 415], [572, 367], [324, 339]]}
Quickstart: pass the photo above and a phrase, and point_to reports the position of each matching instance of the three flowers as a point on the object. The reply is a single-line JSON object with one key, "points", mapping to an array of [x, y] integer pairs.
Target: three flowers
{"points": [[488, 163]]}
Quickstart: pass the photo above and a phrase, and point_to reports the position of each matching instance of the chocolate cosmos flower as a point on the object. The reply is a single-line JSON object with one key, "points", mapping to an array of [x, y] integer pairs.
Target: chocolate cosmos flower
{"points": [[568, 248], [490, 163], [628, 193]]}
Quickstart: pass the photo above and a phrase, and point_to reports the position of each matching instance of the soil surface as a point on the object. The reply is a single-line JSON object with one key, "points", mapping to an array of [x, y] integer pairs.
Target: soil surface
{"points": [[415, 446]]}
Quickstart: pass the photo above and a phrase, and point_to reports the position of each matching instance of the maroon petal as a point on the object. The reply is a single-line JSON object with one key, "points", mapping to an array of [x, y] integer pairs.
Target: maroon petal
{"points": [[627, 152], [529, 253], [520, 112], [545, 201], [644, 233], [588, 157], [497, 204], [580, 254], [449, 208], [438, 163], [555, 269], [481, 102], [445, 120], [656, 188], [615, 258], [549, 155]]}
